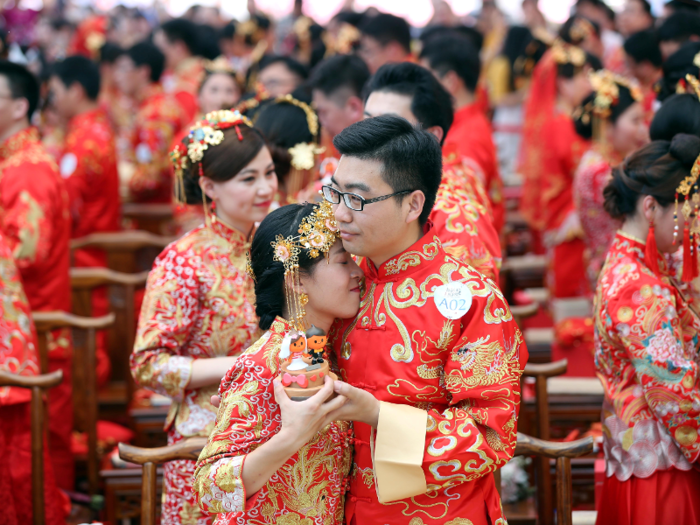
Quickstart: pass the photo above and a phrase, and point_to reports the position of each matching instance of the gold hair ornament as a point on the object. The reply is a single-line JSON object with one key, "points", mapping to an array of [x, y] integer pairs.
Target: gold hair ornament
{"points": [[580, 30], [691, 231], [219, 65], [304, 153], [317, 234], [564, 53], [206, 133]]}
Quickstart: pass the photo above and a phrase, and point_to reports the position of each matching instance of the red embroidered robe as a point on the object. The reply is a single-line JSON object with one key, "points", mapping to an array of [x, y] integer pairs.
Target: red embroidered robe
{"points": [[450, 392], [198, 305], [89, 167], [18, 355], [646, 338], [309, 488], [36, 226], [471, 135], [158, 118]]}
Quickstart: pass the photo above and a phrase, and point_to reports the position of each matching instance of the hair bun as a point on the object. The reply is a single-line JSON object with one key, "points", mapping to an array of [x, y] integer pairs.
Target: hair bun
{"points": [[685, 148]]}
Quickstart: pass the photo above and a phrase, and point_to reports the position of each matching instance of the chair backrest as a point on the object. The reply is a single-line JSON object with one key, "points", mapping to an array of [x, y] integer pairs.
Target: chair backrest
{"points": [[84, 378], [154, 218], [121, 292], [150, 458], [130, 251], [37, 384], [562, 452], [541, 372]]}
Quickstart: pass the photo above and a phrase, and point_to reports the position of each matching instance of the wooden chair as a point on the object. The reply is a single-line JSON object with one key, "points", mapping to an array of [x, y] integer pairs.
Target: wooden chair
{"points": [[150, 458], [122, 288], [541, 372], [130, 251], [37, 384], [562, 452], [154, 218], [191, 448], [84, 379]]}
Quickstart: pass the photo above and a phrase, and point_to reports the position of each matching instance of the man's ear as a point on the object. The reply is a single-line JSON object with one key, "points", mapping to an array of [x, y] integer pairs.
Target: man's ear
{"points": [[356, 108], [416, 202], [438, 132]]}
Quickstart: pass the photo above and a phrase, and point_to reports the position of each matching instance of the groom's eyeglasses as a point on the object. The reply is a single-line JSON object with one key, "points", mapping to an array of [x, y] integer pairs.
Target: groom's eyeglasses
{"points": [[353, 200]]}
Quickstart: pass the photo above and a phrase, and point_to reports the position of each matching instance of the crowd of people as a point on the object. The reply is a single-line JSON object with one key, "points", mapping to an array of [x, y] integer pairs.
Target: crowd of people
{"points": [[346, 179]]}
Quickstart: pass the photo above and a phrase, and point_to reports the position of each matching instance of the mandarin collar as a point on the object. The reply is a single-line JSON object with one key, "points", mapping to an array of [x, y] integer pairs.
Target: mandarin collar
{"points": [[240, 243], [18, 141], [152, 91], [407, 262], [88, 116], [280, 326], [629, 244]]}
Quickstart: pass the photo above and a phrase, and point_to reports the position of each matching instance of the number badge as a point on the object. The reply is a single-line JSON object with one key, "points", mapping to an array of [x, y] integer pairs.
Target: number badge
{"points": [[453, 300]]}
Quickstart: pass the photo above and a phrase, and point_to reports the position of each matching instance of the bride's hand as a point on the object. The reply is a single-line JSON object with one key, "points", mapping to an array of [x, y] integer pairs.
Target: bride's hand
{"points": [[301, 420], [360, 406]]}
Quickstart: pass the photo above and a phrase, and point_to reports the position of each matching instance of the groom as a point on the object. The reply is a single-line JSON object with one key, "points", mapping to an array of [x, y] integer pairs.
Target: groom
{"points": [[434, 343]]}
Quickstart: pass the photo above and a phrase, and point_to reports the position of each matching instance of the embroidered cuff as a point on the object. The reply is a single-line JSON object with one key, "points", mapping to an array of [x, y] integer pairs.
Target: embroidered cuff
{"points": [[397, 452], [225, 492]]}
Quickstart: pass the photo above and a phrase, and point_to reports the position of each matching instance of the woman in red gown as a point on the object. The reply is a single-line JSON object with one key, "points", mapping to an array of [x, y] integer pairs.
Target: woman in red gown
{"points": [[613, 117], [647, 336], [198, 313], [270, 459], [551, 151]]}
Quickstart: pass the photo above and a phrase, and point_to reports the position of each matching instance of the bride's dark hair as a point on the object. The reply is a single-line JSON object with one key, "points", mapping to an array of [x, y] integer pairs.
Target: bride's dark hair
{"points": [[269, 274]]}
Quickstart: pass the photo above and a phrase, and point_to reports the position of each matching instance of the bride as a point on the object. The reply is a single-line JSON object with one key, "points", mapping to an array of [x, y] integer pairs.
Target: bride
{"points": [[271, 459]]}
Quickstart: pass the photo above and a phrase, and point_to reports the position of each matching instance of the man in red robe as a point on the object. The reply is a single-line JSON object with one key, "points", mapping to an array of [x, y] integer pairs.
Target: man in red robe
{"points": [[36, 225], [88, 164], [158, 118], [18, 355], [461, 215], [178, 39], [455, 63], [434, 353], [551, 151]]}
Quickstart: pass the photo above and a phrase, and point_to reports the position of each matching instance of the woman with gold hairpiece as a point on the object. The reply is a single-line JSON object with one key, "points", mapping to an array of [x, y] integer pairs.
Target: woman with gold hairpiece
{"points": [[292, 131], [647, 336], [613, 117], [198, 313], [218, 90], [270, 459], [550, 153]]}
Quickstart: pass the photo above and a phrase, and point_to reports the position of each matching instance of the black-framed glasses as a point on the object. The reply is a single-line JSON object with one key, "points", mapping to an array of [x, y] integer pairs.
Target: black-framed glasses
{"points": [[353, 200]]}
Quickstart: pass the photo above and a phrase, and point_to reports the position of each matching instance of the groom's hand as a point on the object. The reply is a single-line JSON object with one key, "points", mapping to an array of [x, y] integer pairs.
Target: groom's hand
{"points": [[360, 406]]}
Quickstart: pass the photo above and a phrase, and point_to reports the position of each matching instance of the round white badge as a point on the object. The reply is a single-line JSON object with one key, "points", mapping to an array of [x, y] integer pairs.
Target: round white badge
{"points": [[453, 300], [69, 162], [143, 153]]}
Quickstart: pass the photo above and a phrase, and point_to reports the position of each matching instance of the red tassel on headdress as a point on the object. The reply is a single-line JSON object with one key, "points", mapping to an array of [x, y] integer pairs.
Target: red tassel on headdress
{"points": [[201, 170], [690, 256], [651, 252], [239, 134]]}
